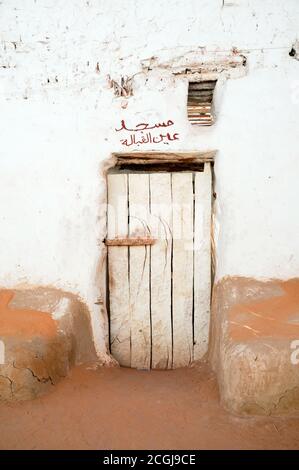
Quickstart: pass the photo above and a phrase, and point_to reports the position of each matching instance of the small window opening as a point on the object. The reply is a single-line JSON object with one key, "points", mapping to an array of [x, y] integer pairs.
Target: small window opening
{"points": [[200, 102]]}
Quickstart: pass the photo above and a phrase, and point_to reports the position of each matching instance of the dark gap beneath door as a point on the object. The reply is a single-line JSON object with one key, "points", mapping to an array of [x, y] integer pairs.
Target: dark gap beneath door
{"points": [[171, 268], [150, 279], [128, 233], [107, 284], [193, 258], [130, 167]]}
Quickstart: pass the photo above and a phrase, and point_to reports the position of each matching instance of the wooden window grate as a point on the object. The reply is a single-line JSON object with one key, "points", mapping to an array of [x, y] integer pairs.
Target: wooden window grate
{"points": [[200, 102]]}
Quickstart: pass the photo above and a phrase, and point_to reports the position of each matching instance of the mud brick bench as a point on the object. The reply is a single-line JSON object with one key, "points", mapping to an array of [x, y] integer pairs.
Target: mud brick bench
{"points": [[43, 332], [255, 333]]}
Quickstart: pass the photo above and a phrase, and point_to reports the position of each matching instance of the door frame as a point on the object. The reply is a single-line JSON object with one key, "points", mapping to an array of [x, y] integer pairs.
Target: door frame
{"points": [[150, 161]]}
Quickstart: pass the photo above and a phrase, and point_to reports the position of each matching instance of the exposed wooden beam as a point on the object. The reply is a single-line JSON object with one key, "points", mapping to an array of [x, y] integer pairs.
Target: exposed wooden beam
{"points": [[167, 156]]}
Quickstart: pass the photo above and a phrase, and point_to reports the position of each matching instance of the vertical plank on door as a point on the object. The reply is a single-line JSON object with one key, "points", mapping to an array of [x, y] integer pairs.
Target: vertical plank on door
{"points": [[182, 281], [117, 218], [139, 268], [202, 260], [161, 224]]}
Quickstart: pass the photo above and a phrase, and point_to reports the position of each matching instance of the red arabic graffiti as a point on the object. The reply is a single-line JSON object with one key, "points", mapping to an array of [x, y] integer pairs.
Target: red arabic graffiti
{"points": [[148, 138], [144, 126], [142, 138]]}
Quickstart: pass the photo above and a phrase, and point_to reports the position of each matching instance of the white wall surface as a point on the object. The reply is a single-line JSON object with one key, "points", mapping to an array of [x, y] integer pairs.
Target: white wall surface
{"points": [[58, 119]]}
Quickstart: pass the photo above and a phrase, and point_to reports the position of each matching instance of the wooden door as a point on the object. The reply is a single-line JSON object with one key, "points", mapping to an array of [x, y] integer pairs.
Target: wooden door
{"points": [[159, 256]]}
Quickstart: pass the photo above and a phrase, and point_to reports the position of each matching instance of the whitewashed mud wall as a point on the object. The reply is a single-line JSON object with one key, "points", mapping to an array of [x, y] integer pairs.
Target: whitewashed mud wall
{"points": [[58, 120]]}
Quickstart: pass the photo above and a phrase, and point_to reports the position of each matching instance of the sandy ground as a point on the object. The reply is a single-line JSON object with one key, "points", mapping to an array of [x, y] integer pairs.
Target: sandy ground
{"points": [[127, 409]]}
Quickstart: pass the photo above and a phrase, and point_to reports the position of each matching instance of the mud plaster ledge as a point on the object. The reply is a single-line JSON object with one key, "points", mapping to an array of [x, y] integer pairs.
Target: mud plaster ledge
{"points": [[252, 327], [44, 332]]}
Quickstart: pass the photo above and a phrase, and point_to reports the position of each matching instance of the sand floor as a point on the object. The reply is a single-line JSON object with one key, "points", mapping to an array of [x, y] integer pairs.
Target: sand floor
{"points": [[116, 408]]}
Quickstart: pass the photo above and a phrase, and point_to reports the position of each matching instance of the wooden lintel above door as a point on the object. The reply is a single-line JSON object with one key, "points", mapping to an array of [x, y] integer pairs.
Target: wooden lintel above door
{"points": [[163, 161], [207, 156]]}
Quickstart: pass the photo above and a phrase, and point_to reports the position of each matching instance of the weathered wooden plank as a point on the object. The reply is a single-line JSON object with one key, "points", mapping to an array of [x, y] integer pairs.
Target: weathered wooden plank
{"points": [[139, 264], [202, 260], [129, 241], [117, 225], [182, 288], [161, 224]]}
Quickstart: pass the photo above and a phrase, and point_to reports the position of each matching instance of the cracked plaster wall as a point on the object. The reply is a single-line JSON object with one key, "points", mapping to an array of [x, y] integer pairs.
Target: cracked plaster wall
{"points": [[58, 120]]}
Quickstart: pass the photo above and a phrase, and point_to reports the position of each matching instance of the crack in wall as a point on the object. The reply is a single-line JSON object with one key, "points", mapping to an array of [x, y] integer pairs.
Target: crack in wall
{"points": [[10, 383], [39, 379]]}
